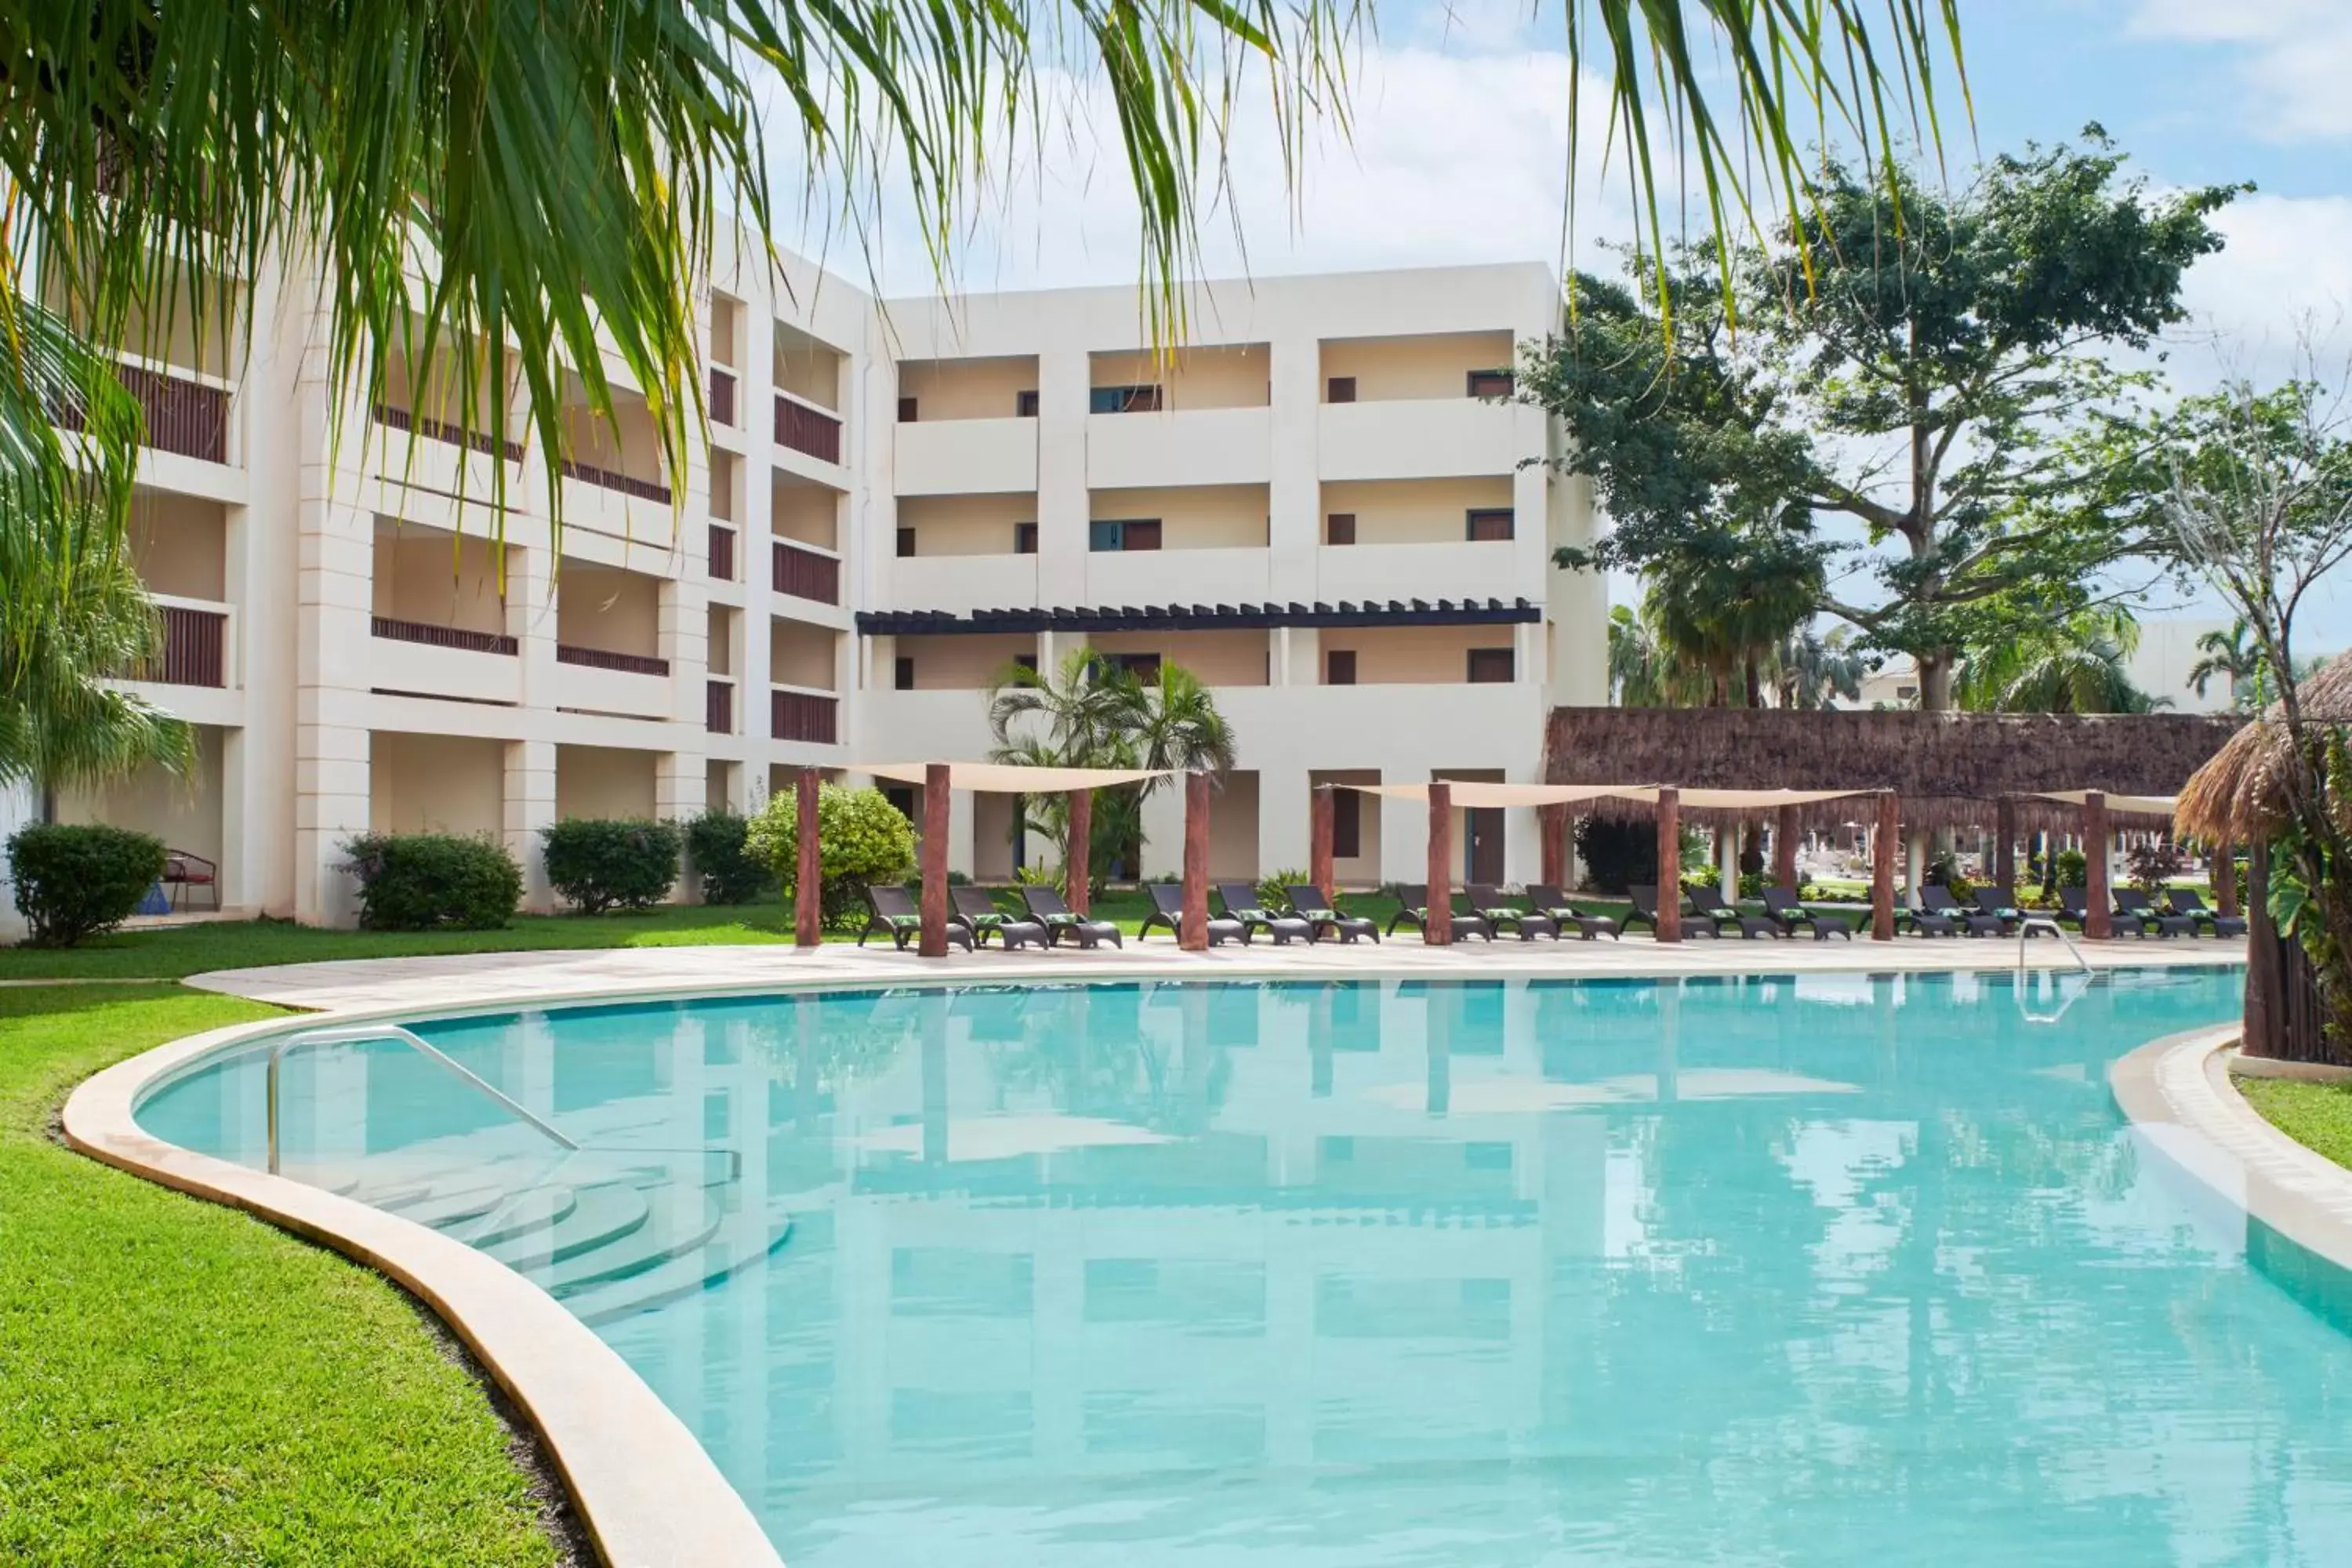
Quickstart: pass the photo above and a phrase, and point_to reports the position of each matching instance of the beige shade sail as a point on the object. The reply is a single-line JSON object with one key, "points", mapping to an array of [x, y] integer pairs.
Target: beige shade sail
{"points": [[1467, 792], [1759, 799], [1004, 778], [2137, 804]]}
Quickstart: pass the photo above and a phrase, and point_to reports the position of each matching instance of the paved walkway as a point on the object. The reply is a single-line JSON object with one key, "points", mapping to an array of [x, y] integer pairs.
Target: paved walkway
{"points": [[473, 979]]}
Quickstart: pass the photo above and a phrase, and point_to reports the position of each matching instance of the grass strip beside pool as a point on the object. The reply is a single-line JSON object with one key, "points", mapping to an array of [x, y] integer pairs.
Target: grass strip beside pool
{"points": [[2316, 1115], [183, 1384]]}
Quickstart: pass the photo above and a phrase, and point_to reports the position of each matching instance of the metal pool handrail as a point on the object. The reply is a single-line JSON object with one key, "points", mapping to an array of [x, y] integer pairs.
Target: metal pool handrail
{"points": [[2032, 923], [363, 1032]]}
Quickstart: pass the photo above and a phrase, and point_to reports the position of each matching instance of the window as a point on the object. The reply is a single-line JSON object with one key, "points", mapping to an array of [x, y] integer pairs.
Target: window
{"points": [[1489, 522], [1024, 404], [1339, 667], [1025, 539], [1123, 533], [906, 543], [1347, 824], [1341, 390], [1340, 528], [901, 796], [1144, 666], [1491, 666], [1490, 383], [1123, 400], [906, 411], [902, 672]]}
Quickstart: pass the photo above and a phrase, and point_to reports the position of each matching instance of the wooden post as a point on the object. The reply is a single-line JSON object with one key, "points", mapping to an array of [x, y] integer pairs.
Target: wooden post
{"points": [[934, 941], [1552, 822], [2265, 989], [2004, 848], [2098, 923], [808, 895], [1883, 844], [1194, 936], [1670, 865], [2224, 859], [1784, 849], [1320, 823], [1438, 931], [1077, 871]]}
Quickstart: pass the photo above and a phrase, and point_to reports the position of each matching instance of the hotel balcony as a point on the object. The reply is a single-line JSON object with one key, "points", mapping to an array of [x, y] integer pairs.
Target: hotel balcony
{"points": [[607, 637], [437, 597], [198, 646], [804, 571], [808, 377], [797, 713]]}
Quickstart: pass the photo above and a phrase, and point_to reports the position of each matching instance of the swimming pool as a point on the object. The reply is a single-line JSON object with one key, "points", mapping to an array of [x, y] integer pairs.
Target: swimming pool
{"points": [[1838, 1268]]}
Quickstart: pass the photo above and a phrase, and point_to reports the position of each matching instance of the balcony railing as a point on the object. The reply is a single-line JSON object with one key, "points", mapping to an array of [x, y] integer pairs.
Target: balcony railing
{"points": [[722, 553], [805, 575], [804, 429], [801, 716], [182, 417], [718, 708], [194, 651], [443, 637], [643, 490], [603, 659], [456, 435], [723, 396]]}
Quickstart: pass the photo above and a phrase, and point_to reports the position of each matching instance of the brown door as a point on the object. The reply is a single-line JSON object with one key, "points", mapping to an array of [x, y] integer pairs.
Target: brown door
{"points": [[1485, 845]]}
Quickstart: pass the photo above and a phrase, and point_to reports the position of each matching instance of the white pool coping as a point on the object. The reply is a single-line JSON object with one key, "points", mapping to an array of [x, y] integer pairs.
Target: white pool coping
{"points": [[645, 1490]]}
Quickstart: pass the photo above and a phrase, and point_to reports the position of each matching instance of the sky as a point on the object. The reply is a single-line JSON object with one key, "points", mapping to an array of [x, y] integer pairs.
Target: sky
{"points": [[1460, 145]]}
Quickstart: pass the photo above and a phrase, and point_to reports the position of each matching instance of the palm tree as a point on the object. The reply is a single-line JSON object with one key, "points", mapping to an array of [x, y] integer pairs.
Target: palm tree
{"points": [[1730, 603], [1176, 726], [2076, 664], [1810, 669], [2230, 656]]}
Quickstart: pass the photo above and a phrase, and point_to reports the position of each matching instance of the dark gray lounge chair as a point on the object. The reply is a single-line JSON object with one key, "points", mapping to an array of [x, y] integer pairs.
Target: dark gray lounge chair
{"points": [[1645, 912], [1708, 904], [1554, 902], [1168, 909], [2131, 904], [1503, 915], [1789, 911], [892, 912], [2191, 902], [1242, 904], [1322, 914], [1936, 899], [1047, 906], [1412, 909], [2002, 907]]}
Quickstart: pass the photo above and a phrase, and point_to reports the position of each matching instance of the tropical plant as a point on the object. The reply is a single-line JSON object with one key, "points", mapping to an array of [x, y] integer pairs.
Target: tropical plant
{"points": [[77, 880], [1643, 672], [862, 841], [1727, 603], [2234, 660], [2075, 665], [1911, 361], [1811, 670], [2153, 863]]}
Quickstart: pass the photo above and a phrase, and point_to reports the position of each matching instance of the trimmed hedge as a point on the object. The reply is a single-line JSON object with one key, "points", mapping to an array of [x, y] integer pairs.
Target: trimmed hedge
{"points": [[862, 841], [729, 872], [603, 863], [77, 880], [418, 881]]}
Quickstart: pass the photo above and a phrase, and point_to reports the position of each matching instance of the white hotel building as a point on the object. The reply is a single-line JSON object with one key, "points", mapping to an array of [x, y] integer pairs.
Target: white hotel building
{"points": [[1316, 506]]}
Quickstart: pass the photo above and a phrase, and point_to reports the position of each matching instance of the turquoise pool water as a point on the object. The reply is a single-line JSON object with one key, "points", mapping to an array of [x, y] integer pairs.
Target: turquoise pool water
{"points": [[1838, 1269]]}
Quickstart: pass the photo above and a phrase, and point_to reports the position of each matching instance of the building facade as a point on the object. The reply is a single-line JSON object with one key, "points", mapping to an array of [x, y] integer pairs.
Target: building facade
{"points": [[1320, 505]]}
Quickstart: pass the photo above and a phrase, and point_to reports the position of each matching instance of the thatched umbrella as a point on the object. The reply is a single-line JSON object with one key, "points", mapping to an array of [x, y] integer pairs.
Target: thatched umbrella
{"points": [[2240, 796]]}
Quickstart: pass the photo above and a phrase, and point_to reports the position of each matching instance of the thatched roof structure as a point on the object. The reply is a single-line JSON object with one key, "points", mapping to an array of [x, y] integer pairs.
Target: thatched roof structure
{"points": [[2238, 794], [1949, 769]]}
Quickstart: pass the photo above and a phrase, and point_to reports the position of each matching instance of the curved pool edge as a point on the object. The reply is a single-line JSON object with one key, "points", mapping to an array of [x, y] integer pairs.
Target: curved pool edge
{"points": [[645, 1491], [2177, 1093]]}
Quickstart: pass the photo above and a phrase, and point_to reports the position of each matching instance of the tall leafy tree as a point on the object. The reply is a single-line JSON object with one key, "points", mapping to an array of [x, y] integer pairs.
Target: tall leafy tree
{"points": [[1906, 362], [2074, 665]]}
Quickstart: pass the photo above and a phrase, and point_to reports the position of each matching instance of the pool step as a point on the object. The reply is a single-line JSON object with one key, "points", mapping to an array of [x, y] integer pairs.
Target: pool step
{"points": [[697, 1270], [601, 1220]]}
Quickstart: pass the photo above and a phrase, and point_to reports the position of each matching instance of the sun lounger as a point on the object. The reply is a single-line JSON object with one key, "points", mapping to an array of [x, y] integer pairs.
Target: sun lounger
{"points": [[1936, 900], [2189, 901], [1322, 915], [1168, 909], [2131, 904], [1645, 912], [1503, 916], [1554, 903], [1242, 904], [973, 910], [1059, 919], [1709, 904], [1784, 907], [892, 912], [2002, 906], [1414, 910]]}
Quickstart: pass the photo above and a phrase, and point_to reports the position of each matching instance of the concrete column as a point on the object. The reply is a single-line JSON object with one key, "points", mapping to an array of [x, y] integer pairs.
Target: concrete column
{"points": [[808, 888], [1195, 937], [1784, 849], [1726, 860], [529, 806], [1882, 868], [961, 830], [1670, 865], [934, 941], [2004, 848], [1439, 930], [681, 785], [1294, 492], [1285, 811], [1080, 863], [1064, 377], [1319, 838], [1163, 834], [2098, 923]]}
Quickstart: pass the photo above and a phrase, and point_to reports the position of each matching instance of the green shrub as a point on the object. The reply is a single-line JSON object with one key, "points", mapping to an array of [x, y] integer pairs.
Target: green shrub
{"points": [[1270, 894], [862, 841], [729, 872], [602, 863], [2073, 872], [1617, 855], [74, 882], [2153, 864], [418, 881]]}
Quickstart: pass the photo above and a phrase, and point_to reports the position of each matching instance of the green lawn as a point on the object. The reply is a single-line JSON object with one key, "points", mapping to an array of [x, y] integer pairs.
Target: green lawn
{"points": [[181, 1385], [2316, 1115]]}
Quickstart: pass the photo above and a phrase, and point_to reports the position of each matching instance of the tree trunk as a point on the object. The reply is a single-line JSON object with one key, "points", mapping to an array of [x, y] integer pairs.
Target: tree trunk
{"points": [[1936, 672]]}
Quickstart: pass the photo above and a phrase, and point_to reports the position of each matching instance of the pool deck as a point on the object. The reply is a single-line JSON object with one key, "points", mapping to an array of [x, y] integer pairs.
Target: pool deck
{"points": [[488, 979]]}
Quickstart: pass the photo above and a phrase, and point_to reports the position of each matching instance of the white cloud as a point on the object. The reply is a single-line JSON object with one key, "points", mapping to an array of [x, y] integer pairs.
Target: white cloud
{"points": [[2295, 58], [2286, 271]]}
